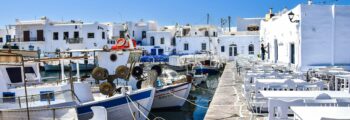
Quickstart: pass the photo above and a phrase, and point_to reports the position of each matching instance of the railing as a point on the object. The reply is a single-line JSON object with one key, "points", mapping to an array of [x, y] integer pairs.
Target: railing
{"points": [[18, 102], [74, 40], [30, 39]]}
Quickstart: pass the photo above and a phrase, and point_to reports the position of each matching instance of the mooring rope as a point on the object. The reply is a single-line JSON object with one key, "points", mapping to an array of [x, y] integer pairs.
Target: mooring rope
{"points": [[137, 107], [130, 109], [204, 89], [155, 117], [188, 101]]}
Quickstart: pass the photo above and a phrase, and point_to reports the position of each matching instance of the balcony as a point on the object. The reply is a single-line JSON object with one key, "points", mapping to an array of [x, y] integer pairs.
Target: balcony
{"points": [[74, 40], [31, 39]]}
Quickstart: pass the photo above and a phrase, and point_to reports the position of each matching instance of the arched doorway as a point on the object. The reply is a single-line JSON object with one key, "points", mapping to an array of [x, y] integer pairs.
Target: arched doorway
{"points": [[152, 41]]}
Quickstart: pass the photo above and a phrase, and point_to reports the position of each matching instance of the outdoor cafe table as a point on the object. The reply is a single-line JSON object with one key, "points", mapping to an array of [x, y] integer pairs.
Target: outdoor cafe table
{"points": [[279, 80], [302, 94], [316, 113]]}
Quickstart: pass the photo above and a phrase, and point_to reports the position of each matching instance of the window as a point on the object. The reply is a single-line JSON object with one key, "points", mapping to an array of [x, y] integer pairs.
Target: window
{"points": [[204, 46], [90, 35], [186, 46], [76, 34], [206, 34], [144, 34], [251, 49], [55, 36], [214, 34], [65, 35], [152, 40], [26, 36], [173, 41], [40, 35], [253, 28], [162, 40], [103, 35], [222, 48], [121, 34], [1, 39]]}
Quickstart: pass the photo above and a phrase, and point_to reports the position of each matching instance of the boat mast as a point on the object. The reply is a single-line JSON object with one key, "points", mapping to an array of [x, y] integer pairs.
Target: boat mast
{"points": [[25, 87]]}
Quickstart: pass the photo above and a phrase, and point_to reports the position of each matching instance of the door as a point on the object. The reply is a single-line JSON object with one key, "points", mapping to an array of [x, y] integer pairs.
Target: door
{"points": [[153, 51], [276, 51], [76, 34], [160, 51], [26, 36], [232, 51], [292, 53], [40, 35]]}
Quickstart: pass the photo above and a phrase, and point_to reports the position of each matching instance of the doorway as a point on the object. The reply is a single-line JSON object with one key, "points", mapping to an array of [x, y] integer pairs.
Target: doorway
{"points": [[276, 50], [292, 53]]}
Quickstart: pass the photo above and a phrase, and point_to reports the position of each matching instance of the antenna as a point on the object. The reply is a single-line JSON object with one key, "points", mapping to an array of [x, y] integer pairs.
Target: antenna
{"points": [[229, 23], [208, 18]]}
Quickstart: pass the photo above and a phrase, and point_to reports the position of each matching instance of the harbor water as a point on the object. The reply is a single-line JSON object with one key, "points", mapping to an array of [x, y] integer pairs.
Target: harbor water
{"points": [[200, 97]]}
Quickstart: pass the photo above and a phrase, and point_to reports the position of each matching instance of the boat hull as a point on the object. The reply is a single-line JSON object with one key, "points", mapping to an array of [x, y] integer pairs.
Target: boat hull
{"points": [[118, 107], [164, 97]]}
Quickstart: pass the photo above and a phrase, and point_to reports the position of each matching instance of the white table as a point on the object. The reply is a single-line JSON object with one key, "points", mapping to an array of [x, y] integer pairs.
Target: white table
{"points": [[316, 113], [302, 94], [279, 80]]}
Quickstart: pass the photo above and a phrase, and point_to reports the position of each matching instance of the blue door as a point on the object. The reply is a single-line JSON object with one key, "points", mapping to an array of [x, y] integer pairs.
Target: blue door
{"points": [[153, 51], [160, 51]]}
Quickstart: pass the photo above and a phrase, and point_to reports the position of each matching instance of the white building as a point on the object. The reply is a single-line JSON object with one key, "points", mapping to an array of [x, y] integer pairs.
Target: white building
{"points": [[49, 36], [316, 35], [7, 34], [161, 41], [137, 30], [243, 42], [194, 39]]}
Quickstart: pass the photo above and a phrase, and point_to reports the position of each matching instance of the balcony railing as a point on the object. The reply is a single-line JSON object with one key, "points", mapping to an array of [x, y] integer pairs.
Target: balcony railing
{"points": [[74, 40], [30, 39]]}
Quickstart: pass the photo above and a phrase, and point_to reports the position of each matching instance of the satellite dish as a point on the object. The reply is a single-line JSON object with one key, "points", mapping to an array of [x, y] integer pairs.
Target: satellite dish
{"points": [[122, 72]]}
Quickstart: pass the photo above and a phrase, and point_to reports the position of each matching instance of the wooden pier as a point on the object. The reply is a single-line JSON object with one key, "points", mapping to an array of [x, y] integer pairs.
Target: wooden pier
{"points": [[228, 102]]}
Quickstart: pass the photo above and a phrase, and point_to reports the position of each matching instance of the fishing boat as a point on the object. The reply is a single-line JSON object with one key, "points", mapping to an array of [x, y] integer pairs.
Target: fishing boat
{"points": [[25, 96], [172, 90]]}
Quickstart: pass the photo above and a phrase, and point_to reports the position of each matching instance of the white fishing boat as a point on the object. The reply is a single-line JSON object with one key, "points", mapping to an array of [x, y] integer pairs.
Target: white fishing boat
{"points": [[23, 92], [172, 90]]}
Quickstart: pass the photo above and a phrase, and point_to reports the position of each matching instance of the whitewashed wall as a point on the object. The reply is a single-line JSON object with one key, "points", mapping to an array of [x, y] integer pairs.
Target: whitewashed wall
{"points": [[242, 42], [320, 39], [195, 44]]}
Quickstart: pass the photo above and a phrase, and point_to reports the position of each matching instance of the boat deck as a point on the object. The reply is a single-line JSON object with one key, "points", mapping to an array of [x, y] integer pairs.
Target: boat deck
{"points": [[228, 102]]}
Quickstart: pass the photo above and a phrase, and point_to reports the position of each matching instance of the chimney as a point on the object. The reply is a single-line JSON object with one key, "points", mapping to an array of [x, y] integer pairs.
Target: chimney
{"points": [[270, 11], [309, 2]]}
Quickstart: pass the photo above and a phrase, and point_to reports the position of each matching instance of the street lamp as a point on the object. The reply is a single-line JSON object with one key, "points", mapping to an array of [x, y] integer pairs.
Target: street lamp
{"points": [[291, 17]]}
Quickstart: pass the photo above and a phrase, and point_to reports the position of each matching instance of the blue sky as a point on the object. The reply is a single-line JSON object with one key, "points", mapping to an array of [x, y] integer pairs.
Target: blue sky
{"points": [[166, 12]]}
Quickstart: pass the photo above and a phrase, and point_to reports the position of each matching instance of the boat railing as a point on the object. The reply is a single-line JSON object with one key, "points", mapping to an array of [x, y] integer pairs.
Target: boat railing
{"points": [[74, 40], [38, 84], [45, 98], [51, 113]]}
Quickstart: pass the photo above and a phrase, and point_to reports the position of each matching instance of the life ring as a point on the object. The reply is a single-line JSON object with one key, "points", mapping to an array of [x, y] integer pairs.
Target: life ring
{"points": [[121, 42]]}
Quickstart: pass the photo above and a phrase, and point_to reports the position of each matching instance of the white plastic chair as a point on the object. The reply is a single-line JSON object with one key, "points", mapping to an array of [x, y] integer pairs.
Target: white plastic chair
{"points": [[100, 113]]}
